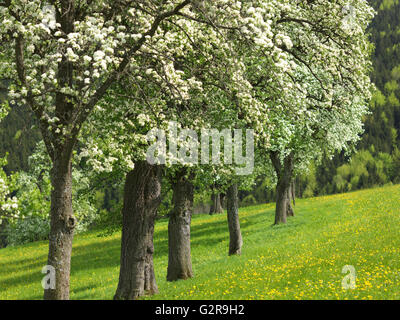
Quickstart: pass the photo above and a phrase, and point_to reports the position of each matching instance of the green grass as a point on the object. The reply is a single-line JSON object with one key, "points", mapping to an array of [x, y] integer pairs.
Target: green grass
{"points": [[300, 260]]}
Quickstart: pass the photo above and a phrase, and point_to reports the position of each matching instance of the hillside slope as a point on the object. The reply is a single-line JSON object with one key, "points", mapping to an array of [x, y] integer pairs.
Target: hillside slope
{"points": [[300, 260]]}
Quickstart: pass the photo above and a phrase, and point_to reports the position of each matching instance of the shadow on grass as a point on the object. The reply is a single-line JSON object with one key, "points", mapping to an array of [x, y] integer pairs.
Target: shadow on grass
{"points": [[96, 255], [23, 263], [33, 275]]}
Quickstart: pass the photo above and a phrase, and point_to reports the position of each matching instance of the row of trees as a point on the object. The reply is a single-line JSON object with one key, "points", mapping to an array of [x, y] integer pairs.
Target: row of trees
{"points": [[18, 135], [99, 75]]}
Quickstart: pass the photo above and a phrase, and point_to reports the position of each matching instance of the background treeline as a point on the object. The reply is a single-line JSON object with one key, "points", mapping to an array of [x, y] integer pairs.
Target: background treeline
{"points": [[376, 160]]}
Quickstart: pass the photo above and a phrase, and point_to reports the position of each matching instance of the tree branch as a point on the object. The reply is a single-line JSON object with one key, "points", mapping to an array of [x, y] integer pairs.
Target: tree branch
{"points": [[85, 110]]}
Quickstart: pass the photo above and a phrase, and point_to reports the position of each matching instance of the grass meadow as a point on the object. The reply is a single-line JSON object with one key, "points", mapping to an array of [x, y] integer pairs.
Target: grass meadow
{"points": [[300, 260]]}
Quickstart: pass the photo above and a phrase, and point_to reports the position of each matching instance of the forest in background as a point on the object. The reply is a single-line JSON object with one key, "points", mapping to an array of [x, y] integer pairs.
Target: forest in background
{"points": [[376, 160]]}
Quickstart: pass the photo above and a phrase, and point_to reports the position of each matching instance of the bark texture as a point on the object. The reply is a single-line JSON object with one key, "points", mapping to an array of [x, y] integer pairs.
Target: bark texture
{"points": [[179, 259], [150, 284], [235, 236], [142, 196], [284, 173], [62, 225]]}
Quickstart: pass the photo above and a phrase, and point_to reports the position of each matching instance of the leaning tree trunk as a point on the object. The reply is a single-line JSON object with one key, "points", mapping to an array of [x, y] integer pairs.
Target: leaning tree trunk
{"points": [[216, 206], [142, 196], [62, 224], [284, 173], [235, 236], [179, 259]]}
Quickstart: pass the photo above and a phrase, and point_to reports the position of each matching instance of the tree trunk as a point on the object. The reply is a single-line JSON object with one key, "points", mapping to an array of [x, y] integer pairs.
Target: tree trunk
{"points": [[281, 203], [60, 148], [150, 284], [142, 196], [62, 225], [222, 197], [284, 173], [216, 206], [235, 236], [290, 200], [293, 189], [179, 260], [3, 235]]}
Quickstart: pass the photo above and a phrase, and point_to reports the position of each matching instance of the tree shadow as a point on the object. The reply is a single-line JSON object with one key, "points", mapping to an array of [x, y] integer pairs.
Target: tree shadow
{"points": [[96, 255]]}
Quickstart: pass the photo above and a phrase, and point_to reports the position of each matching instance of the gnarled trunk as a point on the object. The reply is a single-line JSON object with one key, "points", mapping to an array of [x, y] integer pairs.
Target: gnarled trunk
{"points": [[179, 259], [284, 173], [62, 224], [235, 236], [142, 196]]}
